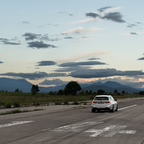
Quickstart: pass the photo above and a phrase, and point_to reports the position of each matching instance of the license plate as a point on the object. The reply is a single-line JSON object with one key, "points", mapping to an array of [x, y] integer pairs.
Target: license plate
{"points": [[100, 103]]}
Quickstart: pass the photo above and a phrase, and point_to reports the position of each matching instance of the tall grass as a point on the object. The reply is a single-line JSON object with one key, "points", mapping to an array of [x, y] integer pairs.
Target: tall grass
{"points": [[13, 99]]}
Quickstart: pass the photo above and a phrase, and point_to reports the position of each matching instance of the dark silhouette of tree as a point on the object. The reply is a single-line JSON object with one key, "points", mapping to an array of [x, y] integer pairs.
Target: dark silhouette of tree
{"points": [[72, 88], [60, 92], [90, 92], [34, 89], [115, 91], [123, 92], [141, 93], [100, 91], [17, 90]]}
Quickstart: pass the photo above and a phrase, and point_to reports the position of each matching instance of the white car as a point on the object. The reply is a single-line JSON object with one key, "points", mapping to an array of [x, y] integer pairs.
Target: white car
{"points": [[104, 102]]}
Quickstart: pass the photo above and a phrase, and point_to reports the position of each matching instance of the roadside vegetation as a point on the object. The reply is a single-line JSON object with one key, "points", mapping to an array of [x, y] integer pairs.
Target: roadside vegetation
{"points": [[72, 94], [19, 111], [15, 99]]}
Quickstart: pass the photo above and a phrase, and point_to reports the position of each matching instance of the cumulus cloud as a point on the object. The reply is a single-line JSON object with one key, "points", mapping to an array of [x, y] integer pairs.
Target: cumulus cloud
{"points": [[46, 63], [94, 15], [31, 36], [74, 64], [97, 73], [39, 45], [35, 75], [112, 16], [53, 82], [81, 30]]}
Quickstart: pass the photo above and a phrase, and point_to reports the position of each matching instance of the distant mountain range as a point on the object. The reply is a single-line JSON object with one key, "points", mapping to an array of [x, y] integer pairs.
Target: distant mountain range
{"points": [[11, 85]]}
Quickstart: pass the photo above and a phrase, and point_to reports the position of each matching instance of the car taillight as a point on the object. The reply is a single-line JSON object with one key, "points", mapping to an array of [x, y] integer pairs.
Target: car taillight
{"points": [[94, 102], [107, 102]]}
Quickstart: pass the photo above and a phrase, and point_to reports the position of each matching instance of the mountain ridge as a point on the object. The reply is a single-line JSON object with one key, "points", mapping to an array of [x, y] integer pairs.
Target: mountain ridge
{"points": [[10, 85]]}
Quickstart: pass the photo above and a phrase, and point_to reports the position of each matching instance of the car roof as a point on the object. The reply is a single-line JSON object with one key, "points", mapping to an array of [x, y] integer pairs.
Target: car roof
{"points": [[103, 96]]}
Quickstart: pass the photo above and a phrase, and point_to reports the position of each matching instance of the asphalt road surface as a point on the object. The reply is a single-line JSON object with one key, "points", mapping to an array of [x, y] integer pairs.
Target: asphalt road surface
{"points": [[76, 126]]}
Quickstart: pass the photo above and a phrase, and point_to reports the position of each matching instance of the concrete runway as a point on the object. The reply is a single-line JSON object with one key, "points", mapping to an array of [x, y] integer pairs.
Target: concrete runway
{"points": [[75, 125]]}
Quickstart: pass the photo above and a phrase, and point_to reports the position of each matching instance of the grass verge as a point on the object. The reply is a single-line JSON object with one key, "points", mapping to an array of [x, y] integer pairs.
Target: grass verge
{"points": [[19, 111]]}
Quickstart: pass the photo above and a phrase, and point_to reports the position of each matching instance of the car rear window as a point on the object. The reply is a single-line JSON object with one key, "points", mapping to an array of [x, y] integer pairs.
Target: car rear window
{"points": [[101, 98]]}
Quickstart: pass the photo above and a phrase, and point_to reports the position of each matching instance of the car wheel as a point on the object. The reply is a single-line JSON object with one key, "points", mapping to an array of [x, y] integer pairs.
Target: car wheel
{"points": [[116, 108], [93, 110], [98, 110], [112, 110]]}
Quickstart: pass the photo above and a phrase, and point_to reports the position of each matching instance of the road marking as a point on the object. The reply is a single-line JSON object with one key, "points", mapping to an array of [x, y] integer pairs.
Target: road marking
{"points": [[15, 123], [127, 107], [74, 127], [110, 131]]}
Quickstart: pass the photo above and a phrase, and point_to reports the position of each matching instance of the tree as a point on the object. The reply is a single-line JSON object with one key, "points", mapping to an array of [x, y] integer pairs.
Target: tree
{"points": [[100, 91], [17, 90], [123, 92], [34, 89], [60, 92], [141, 93], [115, 91], [72, 88]]}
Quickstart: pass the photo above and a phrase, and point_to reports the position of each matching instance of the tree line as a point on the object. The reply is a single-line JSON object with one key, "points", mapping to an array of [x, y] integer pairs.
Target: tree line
{"points": [[73, 87]]}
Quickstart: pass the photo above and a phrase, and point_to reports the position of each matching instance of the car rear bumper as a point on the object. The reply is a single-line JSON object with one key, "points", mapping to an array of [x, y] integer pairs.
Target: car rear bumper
{"points": [[108, 107]]}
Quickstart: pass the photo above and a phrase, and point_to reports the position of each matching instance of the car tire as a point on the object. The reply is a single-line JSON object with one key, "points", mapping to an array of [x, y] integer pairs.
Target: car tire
{"points": [[116, 108], [112, 110], [93, 110]]}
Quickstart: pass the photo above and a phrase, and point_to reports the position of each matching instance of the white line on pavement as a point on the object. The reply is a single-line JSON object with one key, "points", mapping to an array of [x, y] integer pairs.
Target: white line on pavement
{"points": [[127, 107], [15, 123]]}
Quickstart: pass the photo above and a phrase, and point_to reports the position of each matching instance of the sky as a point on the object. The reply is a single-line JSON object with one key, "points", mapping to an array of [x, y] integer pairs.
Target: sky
{"points": [[52, 42]]}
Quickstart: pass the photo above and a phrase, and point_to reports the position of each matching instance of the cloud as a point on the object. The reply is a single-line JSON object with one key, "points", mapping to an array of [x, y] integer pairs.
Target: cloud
{"points": [[74, 64], [31, 36], [66, 13], [81, 30], [142, 58], [87, 20], [46, 63], [53, 82], [70, 69], [8, 42], [104, 8], [68, 38], [94, 15], [40, 45], [35, 75], [133, 33], [129, 82], [93, 58], [131, 25], [25, 22], [114, 16], [83, 55], [97, 73]]}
